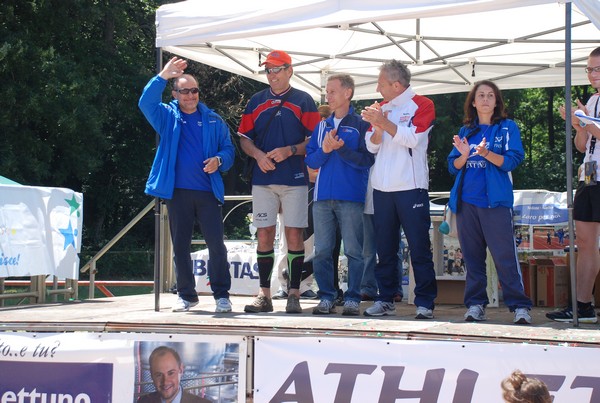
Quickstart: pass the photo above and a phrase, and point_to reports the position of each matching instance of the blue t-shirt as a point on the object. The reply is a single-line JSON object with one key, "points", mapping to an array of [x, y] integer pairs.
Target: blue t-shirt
{"points": [[189, 168], [474, 190]]}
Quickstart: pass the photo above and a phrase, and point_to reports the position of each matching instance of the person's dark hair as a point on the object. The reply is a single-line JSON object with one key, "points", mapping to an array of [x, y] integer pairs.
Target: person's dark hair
{"points": [[595, 52], [470, 111], [396, 71], [345, 80], [517, 388], [162, 350]]}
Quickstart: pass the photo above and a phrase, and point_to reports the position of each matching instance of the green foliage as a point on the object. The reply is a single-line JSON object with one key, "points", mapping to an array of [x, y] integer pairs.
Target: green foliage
{"points": [[72, 72]]}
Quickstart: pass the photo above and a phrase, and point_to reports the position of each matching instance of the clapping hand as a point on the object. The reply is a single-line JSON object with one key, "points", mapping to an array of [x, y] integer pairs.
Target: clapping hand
{"points": [[332, 142]]}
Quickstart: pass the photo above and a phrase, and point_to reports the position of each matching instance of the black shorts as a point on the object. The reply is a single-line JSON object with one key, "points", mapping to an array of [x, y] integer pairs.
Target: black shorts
{"points": [[586, 205]]}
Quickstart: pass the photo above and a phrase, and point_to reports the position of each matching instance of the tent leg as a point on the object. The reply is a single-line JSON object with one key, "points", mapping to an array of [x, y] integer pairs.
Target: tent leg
{"points": [[569, 150], [157, 219]]}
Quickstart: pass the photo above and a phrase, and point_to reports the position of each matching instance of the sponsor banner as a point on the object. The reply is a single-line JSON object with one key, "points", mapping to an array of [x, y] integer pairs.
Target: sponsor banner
{"points": [[242, 266], [540, 207], [308, 369], [115, 367], [40, 231]]}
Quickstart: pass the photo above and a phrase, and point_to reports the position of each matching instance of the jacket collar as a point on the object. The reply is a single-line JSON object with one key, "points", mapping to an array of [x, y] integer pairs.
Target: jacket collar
{"points": [[400, 100]]}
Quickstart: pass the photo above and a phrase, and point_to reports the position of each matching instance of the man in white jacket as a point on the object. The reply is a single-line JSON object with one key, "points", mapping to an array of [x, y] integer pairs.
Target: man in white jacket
{"points": [[400, 177]]}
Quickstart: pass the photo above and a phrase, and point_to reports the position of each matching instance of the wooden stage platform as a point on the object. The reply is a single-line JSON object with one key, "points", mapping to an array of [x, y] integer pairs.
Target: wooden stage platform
{"points": [[137, 314]]}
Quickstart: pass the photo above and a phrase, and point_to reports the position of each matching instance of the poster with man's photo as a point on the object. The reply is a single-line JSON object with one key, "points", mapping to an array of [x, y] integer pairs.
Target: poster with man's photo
{"points": [[122, 367]]}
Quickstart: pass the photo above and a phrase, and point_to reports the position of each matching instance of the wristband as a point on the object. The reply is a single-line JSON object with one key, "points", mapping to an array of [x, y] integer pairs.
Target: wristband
{"points": [[582, 124]]}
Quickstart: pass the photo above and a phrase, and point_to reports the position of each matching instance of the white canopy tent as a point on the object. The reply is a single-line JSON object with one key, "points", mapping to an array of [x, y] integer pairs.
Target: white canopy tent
{"points": [[448, 45]]}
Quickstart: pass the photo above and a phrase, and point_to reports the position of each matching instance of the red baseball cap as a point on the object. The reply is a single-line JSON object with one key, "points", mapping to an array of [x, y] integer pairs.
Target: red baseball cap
{"points": [[278, 58]]}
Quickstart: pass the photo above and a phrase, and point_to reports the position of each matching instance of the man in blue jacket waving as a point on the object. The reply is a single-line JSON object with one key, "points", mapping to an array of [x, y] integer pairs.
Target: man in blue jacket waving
{"points": [[195, 147]]}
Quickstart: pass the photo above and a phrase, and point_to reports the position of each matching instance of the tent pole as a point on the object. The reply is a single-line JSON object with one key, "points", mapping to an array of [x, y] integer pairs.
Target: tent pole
{"points": [[323, 85], [569, 159], [157, 219]]}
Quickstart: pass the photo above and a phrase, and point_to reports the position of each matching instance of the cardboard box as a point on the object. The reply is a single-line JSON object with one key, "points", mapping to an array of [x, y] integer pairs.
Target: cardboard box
{"points": [[450, 291], [552, 283], [529, 272]]}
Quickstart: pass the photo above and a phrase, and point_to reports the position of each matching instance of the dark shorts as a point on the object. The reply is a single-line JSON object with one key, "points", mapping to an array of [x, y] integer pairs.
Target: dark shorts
{"points": [[586, 205]]}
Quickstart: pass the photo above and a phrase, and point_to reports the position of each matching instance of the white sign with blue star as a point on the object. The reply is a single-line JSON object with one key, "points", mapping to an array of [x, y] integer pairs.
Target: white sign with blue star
{"points": [[40, 231]]}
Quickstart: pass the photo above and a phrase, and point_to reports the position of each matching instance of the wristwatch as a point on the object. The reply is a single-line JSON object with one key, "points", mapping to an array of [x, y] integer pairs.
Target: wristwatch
{"points": [[220, 160], [582, 123], [294, 149]]}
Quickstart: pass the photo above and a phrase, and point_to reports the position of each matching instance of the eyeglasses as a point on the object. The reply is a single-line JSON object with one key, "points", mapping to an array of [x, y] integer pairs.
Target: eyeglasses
{"points": [[275, 70], [186, 91], [594, 69]]}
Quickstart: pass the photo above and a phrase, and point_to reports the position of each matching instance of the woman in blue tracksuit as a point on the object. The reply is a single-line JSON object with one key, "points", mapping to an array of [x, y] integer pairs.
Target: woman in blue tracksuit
{"points": [[487, 148]]}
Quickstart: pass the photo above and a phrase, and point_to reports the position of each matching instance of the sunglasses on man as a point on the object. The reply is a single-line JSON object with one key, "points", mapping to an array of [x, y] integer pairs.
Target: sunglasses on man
{"points": [[185, 91], [275, 70]]}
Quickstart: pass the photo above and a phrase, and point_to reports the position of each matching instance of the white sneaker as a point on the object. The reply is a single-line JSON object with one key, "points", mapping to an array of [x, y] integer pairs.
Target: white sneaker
{"points": [[475, 313], [522, 316], [223, 305], [380, 308], [424, 313], [181, 305]]}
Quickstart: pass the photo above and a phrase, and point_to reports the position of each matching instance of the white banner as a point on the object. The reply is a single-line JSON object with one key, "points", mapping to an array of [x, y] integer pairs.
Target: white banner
{"points": [[540, 207], [115, 368], [242, 266], [313, 370], [40, 231]]}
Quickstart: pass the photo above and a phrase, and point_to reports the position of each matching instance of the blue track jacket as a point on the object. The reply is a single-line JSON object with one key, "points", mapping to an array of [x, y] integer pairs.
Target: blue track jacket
{"points": [[507, 142], [166, 120], [343, 173]]}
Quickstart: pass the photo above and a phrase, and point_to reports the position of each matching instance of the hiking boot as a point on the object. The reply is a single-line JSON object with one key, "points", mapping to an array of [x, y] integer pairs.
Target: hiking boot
{"points": [[293, 304], [181, 305], [424, 313], [522, 316], [586, 315], [223, 305], [325, 307], [351, 308], [475, 313], [380, 308], [260, 304]]}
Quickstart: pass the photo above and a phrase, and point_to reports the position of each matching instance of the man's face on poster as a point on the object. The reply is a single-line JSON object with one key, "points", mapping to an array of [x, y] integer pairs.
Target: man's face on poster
{"points": [[166, 374]]}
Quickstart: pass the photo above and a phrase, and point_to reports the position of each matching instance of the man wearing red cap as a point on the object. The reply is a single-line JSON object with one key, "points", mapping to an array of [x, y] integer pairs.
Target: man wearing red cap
{"points": [[274, 131]]}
